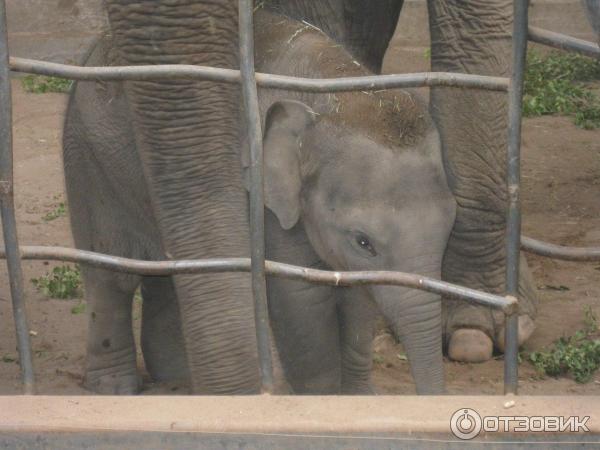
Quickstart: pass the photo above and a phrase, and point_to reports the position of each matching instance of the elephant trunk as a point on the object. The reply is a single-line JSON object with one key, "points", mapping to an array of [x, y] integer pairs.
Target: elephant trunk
{"points": [[187, 135], [416, 317]]}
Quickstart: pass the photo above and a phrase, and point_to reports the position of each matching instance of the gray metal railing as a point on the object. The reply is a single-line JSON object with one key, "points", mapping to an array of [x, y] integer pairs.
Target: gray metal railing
{"points": [[257, 265]]}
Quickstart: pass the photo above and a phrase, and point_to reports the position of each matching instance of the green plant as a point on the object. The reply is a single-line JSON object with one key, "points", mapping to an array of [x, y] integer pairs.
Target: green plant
{"points": [[590, 321], [8, 359], [578, 354], [59, 211], [554, 84], [61, 282], [588, 116], [378, 359], [79, 308], [39, 84]]}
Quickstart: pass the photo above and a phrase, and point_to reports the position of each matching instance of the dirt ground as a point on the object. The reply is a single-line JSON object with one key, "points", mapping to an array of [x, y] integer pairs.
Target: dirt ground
{"points": [[561, 177]]}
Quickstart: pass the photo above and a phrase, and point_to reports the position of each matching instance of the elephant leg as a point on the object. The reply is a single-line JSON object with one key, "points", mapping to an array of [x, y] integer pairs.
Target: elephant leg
{"points": [[303, 316], [111, 356], [357, 314], [474, 331], [305, 327], [162, 338], [475, 38]]}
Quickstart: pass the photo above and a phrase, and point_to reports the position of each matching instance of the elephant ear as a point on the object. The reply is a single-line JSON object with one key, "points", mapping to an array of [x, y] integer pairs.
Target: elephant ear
{"points": [[285, 123]]}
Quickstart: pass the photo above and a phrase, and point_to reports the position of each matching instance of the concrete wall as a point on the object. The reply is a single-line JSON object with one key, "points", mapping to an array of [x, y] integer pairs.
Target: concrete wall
{"points": [[61, 30]]}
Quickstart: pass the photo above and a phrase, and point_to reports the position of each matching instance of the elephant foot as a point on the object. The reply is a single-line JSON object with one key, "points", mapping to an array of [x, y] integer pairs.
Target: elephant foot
{"points": [[526, 328], [112, 384], [470, 345]]}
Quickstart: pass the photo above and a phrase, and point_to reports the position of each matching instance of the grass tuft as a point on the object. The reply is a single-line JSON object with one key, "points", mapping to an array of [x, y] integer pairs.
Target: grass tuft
{"points": [[62, 282], [39, 84], [59, 211], [79, 308], [555, 84], [578, 355]]}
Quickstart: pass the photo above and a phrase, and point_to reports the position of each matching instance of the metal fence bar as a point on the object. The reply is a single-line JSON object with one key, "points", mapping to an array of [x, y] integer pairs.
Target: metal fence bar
{"points": [[7, 209], [513, 178], [319, 85], [559, 251], [257, 194], [272, 268], [563, 42]]}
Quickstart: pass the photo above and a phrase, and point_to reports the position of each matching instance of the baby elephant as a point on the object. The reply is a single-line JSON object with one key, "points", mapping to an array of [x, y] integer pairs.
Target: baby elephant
{"points": [[353, 181]]}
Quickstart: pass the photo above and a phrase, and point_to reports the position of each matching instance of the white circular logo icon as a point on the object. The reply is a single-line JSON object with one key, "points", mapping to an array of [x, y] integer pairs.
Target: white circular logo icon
{"points": [[465, 423]]}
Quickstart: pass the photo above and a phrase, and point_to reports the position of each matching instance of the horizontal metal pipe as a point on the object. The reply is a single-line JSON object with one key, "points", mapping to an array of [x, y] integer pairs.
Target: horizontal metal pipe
{"points": [[181, 71], [560, 252], [272, 268], [563, 42]]}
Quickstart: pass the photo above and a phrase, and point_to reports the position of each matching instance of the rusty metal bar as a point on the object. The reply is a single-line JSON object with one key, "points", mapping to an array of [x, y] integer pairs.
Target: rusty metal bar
{"points": [[257, 194], [513, 179], [563, 42], [558, 251], [323, 85], [275, 269], [7, 209]]}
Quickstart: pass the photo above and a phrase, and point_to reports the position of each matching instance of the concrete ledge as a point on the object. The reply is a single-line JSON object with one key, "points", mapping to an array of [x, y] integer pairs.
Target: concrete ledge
{"points": [[273, 421]]}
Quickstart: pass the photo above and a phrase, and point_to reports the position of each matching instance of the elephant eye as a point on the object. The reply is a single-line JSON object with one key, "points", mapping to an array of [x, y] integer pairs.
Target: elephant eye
{"points": [[364, 243]]}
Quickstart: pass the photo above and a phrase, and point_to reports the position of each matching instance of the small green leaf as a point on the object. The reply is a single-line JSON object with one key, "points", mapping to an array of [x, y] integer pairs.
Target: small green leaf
{"points": [[59, 211]]}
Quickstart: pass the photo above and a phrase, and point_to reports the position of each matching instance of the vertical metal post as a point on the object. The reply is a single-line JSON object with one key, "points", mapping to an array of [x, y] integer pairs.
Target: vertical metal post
{"points": [[7, 209], [257, 203], [513, 176]]}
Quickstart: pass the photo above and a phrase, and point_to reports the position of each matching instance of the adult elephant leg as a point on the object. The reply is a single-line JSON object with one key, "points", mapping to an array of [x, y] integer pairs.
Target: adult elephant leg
{"points": [[475, 37], [162, 338], [187, 135]]}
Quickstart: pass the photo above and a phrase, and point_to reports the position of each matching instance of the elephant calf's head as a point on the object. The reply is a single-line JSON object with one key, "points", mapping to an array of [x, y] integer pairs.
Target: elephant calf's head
{"points": [[366, 178]]}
